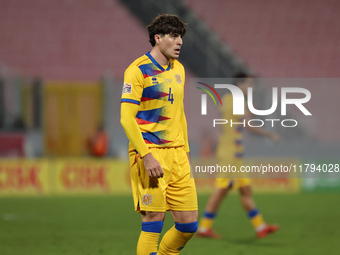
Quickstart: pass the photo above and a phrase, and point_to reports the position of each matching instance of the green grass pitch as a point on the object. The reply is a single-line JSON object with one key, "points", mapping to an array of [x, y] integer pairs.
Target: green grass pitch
{"points": [[309, 224]]}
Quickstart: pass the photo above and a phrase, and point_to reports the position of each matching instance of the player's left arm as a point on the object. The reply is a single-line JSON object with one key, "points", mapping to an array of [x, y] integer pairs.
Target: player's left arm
{"points": [[184, 122], [185, 132], [185, 135], [261, 131]]}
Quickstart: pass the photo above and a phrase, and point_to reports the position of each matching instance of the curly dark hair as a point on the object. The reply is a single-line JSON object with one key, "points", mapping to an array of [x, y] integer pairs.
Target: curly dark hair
{"points": [[240, 77], [166, 24]]}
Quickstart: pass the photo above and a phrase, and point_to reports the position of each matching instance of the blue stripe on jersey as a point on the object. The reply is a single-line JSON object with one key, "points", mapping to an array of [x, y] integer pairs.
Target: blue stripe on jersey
{"points": [[154, 92], [126, 100], [156, 63], [239, 128], [239, 155], [148, 70], [238, 142], [150, 115], [154, 137]]}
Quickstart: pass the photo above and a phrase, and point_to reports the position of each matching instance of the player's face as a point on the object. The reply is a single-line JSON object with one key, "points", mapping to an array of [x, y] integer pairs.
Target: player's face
{"points": [[170, 46]]}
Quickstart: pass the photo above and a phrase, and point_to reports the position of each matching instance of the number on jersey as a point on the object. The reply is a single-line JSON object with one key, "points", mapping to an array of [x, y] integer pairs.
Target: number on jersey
{"points": [[171, 97]]}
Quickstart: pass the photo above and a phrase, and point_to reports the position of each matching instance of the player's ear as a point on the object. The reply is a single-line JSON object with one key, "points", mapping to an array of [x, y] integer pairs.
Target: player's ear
{"points": [[157, 37]]}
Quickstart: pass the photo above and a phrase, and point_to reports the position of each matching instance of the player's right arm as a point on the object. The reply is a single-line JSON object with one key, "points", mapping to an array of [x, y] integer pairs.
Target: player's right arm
{"points": [[131, 97], [127, 119], [261, 131]]}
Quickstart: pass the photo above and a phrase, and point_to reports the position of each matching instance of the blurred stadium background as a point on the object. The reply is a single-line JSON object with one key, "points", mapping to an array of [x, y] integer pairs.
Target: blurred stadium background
{"points": [[64, 182]]}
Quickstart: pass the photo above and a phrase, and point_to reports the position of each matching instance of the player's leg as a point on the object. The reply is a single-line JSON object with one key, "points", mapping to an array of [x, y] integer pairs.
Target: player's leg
{"points": [[222, 188], [216, 199], [246, 198], [181, 200], [248, 204], [149, 200], [152, 224], [223, 185], [176, 237]]}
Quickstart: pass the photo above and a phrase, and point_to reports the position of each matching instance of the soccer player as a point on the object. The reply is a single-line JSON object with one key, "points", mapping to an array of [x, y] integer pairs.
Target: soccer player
{"points": [[152, 115], [230, 151]]}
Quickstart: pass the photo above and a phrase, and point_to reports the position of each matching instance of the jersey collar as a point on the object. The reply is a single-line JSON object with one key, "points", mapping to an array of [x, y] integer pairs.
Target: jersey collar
{"points": [[156, 63]]}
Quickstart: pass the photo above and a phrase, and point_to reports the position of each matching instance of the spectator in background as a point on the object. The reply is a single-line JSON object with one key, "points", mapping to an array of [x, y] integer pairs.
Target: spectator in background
{"points": [[99, 143]]}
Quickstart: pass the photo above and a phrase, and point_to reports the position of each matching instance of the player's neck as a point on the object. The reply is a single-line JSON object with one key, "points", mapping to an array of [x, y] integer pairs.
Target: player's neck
{"points": [[159, 56]]}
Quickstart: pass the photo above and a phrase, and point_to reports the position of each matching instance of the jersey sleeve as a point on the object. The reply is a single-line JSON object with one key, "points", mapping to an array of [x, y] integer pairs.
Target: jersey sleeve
{"points": [[185, 132], [183, 119], [133, 86], [131, 96]]}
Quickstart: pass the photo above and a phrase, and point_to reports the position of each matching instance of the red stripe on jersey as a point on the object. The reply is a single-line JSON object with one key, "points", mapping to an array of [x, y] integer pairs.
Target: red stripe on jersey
{"points": [[143, 99], [162, 141], [143, 122], [163, 118], [158, 96]]}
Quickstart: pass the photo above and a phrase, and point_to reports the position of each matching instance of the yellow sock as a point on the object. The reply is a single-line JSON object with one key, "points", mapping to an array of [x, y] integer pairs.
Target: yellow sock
{"points": [[256, 219], [207, 221], [205, 224], [149, 237], [147, 243], [175, 239]]}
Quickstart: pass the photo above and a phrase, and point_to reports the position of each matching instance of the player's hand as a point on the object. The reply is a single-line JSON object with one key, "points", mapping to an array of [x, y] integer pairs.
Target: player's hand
{"points": [[275, 137], [152, 166]]}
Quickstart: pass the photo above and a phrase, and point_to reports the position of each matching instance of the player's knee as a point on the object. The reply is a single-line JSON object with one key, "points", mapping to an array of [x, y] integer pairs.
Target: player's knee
{"points": [[152, 216], [187, 227], [192, 217], [223, 192], [245, 191]]}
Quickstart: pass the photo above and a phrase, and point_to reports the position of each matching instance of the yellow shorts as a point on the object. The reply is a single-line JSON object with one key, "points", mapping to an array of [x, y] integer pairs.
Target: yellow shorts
{"points": [[234, 183], [175, 191]]}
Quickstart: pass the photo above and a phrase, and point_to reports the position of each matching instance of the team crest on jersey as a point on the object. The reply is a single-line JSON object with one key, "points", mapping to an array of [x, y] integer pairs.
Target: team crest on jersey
{"points": [[178, 78], [127, 88], [147, 199]]}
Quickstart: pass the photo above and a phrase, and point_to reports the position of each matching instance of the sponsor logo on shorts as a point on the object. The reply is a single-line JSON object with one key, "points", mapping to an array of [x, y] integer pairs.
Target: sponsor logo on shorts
{"points": [[147, 199], [178, 78], [127, 88]]}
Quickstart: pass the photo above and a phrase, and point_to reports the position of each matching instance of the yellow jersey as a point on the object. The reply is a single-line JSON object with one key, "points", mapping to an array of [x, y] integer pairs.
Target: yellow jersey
{"points": [[159, 92], [230, 142]]}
